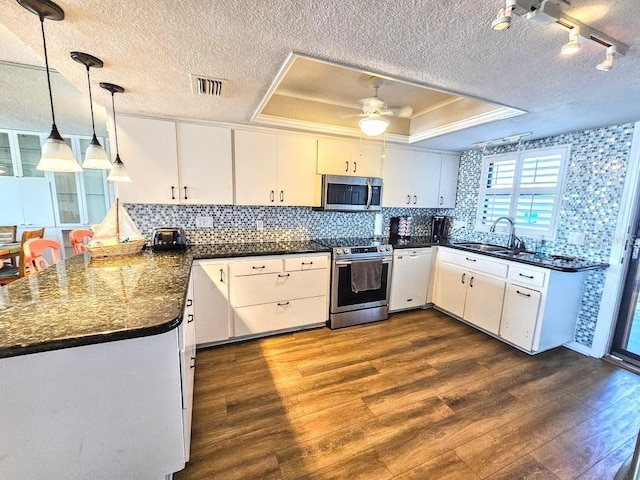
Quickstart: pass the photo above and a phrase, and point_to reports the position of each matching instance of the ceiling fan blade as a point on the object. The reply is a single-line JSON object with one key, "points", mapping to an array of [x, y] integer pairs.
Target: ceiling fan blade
{"points": [[352, 115], [401, 112]]}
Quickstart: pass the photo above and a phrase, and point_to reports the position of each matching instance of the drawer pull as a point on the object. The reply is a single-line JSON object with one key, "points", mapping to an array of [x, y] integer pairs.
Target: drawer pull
{"points": [[409, 299], [193, 362], [283, 304], [526, 276], [462, 279], [283, 275], [471, 259], [523, 294], [307, 263], [259, 268], [190, 318], [189, 302]]}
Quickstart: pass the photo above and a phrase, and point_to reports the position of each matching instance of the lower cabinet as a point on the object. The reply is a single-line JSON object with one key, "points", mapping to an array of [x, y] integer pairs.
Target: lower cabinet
{"points": [[410, 278], [187, 342], [239, 297], [519, 315]]}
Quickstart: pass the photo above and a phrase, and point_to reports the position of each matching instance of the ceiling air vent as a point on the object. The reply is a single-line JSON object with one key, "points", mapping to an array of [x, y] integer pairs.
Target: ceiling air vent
{"points": [[211, 87]]}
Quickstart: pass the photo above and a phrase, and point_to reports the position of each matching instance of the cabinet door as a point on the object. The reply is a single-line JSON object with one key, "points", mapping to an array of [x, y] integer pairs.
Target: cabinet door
{"points": [[451, 287], [29, 153], [149, 152], [279, 315], [10, 195], [211, 307], [397, 174], [6, 159], [349, 157], [367, 160], [204, 161], [256, 167], [409, 279], [37, 203], [519, 315], [483, 306], [448, 180], [298, 182], [426, 179]]}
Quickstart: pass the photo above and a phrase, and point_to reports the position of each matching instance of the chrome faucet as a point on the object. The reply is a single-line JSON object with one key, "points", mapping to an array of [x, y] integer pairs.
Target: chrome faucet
{"points": [[515, 244]]}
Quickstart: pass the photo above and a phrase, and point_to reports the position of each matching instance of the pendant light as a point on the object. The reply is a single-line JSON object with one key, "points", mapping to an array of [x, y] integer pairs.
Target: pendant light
{"points": [[95, 157], [118, 172], [56, 154]]}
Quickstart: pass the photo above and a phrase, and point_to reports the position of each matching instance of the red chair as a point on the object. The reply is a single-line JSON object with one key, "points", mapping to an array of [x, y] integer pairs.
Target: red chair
{"points": [[34, 250], [77, 238]]}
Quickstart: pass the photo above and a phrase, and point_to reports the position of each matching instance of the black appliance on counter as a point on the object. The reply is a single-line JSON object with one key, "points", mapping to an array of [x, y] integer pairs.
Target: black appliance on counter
{"points": [[439, 229], [169, 238]]}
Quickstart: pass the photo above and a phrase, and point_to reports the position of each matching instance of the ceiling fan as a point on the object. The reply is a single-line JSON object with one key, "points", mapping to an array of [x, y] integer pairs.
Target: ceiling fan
{"points": [[375, 109]]}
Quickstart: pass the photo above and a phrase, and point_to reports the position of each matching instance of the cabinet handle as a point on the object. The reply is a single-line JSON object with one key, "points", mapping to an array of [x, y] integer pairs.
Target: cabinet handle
{"points": [[193, 362], [283, 304], [441, 199], [272, 196], [282, 195], [523, 294], [185, 193], [259, 268], [307, 263], [471, 282], [346, 166], [173, 195], [409, 299], [221, 276], [190, 318], [415, 199], [526, 276], [470, 259], [284, 275], [355, 167], [189, 302], [462, 279], [408, 199]]}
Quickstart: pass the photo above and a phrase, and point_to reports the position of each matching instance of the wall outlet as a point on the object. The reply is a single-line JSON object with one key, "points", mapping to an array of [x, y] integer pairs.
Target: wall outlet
{"points": [[459, 224], [575, 238], [204, 222], [259, 225]]}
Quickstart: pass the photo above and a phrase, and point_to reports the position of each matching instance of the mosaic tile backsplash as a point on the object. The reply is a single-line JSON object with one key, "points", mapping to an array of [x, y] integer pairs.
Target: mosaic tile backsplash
{"points": [[590, 203]]}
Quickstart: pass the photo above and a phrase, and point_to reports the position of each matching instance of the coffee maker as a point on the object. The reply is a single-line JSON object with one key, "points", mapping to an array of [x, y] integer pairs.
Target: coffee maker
{"points": [[439, 229]]}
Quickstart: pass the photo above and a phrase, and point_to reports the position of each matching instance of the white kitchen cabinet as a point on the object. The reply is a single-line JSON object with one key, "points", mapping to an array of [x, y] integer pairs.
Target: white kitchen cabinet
{"points": [[519, 315], [30, 200], [448, 186], [410, 278], [411, 178], [211, 305], [204, 164], [450, 289], [483, 303], [349, 157], [187, 342], [286, 314], [275, 169]]}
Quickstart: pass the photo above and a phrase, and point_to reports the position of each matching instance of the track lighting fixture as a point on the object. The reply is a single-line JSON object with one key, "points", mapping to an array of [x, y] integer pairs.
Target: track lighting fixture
{"points": [[573, 46], [118, 172], [607, 63], [546, 12], [95, 157], [373, 125], [56, 154], [503, 18]]}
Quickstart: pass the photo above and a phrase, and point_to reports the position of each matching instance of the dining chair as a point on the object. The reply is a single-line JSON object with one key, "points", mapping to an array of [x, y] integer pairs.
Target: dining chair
{"points": [[11, 274], [8, 235], [77, 238], [35, 250]]}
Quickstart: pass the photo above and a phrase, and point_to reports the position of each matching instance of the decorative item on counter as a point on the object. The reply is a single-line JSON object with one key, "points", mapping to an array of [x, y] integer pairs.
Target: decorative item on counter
{"points": [[439, 228], [540, 248], [117, 235], [401, 227]]}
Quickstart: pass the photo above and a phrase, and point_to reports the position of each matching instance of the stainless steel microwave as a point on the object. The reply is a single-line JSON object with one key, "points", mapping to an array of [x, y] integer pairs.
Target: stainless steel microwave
{"points": [[351, 194]]}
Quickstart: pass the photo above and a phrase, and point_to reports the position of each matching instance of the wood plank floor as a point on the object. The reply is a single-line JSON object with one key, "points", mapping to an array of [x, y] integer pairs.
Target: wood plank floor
{"points": [[420, 396]]}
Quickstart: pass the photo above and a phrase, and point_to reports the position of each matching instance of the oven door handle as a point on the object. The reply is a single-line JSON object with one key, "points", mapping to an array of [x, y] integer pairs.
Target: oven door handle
{"points": [[342, 263], [369, 193]]}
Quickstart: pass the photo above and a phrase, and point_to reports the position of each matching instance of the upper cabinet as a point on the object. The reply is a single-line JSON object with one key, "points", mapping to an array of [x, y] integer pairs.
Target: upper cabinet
{"points": [[275, 169], [175, 163], [349, 157], [419, 179]]}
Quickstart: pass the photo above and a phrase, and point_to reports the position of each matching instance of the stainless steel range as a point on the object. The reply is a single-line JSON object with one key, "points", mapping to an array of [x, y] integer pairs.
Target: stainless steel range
{"points": [[361, 280]]}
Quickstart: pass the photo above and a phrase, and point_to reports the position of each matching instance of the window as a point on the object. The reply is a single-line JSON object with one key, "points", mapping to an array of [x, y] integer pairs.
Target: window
{"points": [[525, 186]]}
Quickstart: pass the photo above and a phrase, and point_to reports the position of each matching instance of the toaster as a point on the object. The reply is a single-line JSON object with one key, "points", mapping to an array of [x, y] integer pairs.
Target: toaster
{"points": [[172, 238]]}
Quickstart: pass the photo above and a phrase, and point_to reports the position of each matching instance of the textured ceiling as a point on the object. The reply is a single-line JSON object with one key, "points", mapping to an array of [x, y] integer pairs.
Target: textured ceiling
{"points": [[150, 48]]}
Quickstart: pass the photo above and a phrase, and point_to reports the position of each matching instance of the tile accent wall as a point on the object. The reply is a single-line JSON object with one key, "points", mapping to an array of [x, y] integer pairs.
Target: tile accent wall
{"points": [[590, 203]]}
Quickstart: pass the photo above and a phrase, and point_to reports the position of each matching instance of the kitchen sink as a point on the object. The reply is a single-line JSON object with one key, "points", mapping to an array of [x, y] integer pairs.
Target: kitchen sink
{"points": [[483, 247]]}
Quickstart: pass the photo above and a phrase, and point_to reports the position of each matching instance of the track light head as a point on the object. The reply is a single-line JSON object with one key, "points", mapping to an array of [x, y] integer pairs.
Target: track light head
{"points": [[503, 18], [573, 46], [607, 63]]}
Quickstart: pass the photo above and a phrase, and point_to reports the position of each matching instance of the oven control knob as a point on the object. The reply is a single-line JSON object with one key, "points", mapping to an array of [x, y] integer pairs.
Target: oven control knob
{"points": [[346, 251], [388, 248], [339, 251]]}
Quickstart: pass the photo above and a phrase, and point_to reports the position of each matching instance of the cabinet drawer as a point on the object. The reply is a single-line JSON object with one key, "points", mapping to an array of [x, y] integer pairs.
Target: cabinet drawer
{"points": [[280, 315], [411, 252], [478, 263], [275, 287], [305, 263], [256, 267], [526, 276]]}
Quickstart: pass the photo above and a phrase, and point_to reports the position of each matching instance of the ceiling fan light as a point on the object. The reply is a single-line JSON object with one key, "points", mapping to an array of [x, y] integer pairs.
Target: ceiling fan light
{"points": [[373, 126], [57, 155], [118, 172], [95, 157]]}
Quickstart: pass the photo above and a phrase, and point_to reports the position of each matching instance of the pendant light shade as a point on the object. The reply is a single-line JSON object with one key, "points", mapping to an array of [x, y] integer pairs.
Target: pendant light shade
{"points": [[118, 172], [56, 154], [95, 157]]}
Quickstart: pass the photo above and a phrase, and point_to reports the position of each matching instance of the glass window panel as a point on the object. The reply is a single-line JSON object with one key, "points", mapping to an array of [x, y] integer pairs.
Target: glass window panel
{"points": [[6, 165], [541, 171], [535, 211], [67, 197], [501, 174], [30, 153], [495, 206], [94, 188]]}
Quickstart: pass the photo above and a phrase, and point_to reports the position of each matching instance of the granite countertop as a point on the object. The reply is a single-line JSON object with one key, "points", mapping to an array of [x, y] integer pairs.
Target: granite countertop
{"points": [[83, 301]]}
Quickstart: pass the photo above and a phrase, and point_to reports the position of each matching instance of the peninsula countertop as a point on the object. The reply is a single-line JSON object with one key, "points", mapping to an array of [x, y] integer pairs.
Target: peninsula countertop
{"points": [[83, 301]]}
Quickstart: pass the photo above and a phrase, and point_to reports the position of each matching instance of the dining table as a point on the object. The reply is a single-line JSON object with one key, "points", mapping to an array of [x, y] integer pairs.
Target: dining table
{"points": [[9, 251]]}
